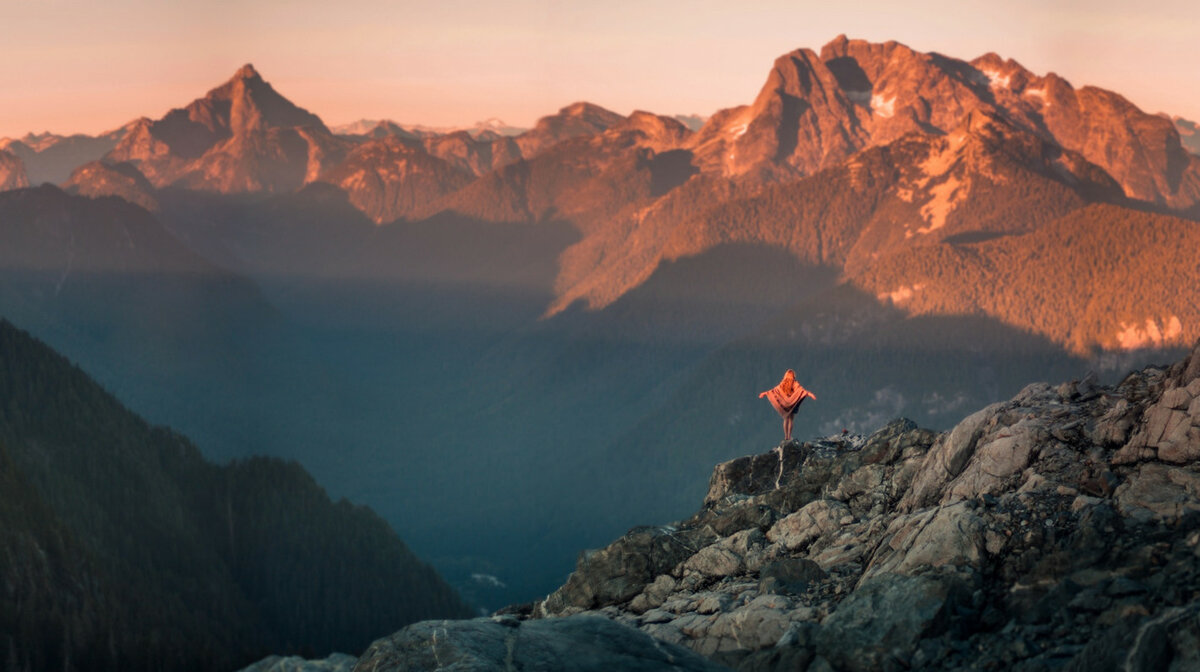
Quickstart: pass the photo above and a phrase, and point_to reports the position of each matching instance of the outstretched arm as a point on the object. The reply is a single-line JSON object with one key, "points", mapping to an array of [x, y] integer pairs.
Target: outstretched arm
{"points": [[810, 395]]}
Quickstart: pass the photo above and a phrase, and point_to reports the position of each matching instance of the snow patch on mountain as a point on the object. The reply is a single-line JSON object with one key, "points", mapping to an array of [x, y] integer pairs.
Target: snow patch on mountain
{"points": [[1040, 94], [996, 80], [883, 107]]}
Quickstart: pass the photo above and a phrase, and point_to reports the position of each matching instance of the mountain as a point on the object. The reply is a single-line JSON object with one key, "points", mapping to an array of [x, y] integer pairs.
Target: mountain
{"points": [[371, 127], [51, 158], [984, 178], [814, 111], [572, 121], [1148, 256], [476, 154], [12, 172], [125, 549], [123, 180], [396, 177], [389, 178], [242, 136]]}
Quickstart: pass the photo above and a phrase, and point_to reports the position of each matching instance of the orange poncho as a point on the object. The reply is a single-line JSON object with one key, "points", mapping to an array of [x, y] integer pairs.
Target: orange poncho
{"points": [[786, 402]]}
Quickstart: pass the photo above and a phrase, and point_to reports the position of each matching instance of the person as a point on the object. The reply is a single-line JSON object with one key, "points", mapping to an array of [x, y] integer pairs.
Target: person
{"points": [[786, 397]]}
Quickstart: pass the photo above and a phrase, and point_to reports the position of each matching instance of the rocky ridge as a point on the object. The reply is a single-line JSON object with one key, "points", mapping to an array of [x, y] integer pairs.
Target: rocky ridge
{"points": [[1059, 528]]}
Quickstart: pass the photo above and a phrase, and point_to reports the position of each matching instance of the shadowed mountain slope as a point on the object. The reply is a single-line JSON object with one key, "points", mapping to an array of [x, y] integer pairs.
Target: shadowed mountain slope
{"points": [[127, 550]]}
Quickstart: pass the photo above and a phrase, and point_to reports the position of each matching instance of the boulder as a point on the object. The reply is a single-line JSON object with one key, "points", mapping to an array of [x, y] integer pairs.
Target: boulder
{"points": [[789, 575], [571, 644], [951, 535], [1159, 492], [621, 570], [879, 625], [799, 529], [756, 474], [900, 438], [713, 561], [946, 459], [997, 460]]}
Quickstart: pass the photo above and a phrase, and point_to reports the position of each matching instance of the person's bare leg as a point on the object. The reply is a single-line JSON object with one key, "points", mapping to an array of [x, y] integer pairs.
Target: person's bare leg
{"points": [[787, 428]]}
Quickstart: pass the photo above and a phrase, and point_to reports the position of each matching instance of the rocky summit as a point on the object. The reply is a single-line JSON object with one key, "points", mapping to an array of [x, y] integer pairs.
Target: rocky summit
{"points": [[1057, 530]]}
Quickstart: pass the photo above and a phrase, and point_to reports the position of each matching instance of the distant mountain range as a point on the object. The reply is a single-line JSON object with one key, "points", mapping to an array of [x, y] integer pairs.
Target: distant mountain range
{"points": [[366, 127], [947, 151]]}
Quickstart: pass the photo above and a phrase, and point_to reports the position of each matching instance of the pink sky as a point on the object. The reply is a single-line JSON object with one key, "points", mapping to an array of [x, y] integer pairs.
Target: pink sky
{"points": [[83, 66]]}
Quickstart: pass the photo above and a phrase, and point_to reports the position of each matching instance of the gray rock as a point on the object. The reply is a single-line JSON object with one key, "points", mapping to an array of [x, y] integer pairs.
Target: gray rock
{"points": [[1004, 455], [336, 662], [778, 659], [1170, 641], [880, 623], [900, 438], [798, 530], [756, 474], [1112, 429], [575, 643], [621, 570], [713, 561], [762, 622], [946, 459], [948, 535], [789, 576], [1159, 492]]}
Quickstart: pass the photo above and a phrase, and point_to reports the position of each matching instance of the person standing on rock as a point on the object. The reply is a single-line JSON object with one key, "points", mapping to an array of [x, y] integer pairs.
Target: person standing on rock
{"points": [[786, 398]]}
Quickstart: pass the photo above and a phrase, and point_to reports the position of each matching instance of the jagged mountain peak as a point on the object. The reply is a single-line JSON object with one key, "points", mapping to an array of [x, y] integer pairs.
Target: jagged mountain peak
{"points": [[253, 104], [814, 111], [247, 72]]}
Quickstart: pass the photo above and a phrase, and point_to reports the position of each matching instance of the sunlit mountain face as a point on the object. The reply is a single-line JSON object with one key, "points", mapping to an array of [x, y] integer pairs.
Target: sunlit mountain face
{"points": [[515, 343]]}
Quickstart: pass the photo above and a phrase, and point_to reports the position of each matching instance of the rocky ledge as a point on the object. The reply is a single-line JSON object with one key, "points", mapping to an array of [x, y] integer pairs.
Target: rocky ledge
{"points": [[1057, 530]]}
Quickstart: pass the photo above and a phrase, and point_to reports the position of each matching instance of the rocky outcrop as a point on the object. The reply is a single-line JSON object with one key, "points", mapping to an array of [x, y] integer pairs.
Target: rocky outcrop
{"points": [[579, 644], [1058, 529]]}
